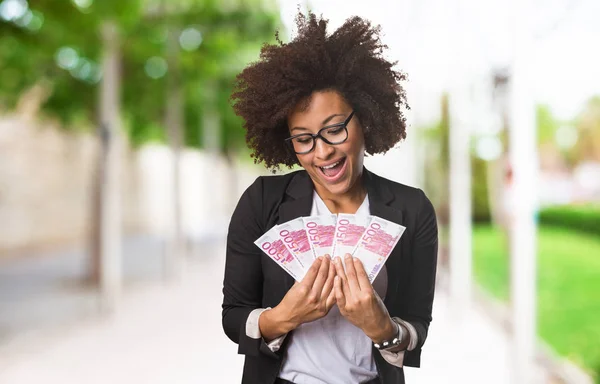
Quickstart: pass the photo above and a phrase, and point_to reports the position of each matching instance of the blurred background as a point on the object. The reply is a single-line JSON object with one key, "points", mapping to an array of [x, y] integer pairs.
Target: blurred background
{"points": [[121, 161]]}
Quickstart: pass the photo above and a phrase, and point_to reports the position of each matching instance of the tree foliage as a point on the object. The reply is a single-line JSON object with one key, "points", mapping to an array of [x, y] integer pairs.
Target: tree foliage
{"points": [[57, 44], [588, 131], [547, 125], [584, 145]]}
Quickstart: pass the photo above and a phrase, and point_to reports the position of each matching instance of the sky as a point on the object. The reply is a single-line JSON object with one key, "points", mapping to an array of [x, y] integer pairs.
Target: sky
{"points": [[423, 35]]}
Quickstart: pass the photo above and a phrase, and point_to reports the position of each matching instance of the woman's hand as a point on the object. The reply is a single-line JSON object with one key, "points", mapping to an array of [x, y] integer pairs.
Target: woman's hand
{"points": [[359, 303], [306, 301]]}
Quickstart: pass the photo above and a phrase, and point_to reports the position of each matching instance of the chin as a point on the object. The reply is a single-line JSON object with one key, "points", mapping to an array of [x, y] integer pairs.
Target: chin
{"points": [[340, 188]]}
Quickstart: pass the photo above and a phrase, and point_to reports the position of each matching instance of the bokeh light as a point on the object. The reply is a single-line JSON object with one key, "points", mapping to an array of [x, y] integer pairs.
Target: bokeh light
{"points": [[67, 58], [190, 39], [13, 9], [156, 67]]}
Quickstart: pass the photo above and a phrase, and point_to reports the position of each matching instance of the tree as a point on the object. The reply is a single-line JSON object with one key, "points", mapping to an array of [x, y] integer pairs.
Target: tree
{"points": [[58, 45], [587, 123]]}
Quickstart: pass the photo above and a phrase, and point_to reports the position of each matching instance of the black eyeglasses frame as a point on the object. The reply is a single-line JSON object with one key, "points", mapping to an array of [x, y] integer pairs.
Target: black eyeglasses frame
{"points": [[318, 135]]}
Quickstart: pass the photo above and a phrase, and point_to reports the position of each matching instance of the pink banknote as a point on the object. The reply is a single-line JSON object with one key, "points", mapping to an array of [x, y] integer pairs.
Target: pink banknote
{"points": [[348, 231], [376, 244], [295, 239], [273, 246], [320, 231]]}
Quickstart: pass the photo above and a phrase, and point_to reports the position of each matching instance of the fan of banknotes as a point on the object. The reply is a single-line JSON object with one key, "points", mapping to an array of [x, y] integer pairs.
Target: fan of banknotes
{"points": [[295, 245]]}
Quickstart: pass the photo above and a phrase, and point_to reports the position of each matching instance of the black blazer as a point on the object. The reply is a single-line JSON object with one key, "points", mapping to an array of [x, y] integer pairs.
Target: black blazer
{"points": [[252, 280]]}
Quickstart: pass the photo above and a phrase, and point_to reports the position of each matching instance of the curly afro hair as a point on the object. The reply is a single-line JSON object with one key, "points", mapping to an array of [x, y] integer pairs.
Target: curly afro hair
{"points": [[348, 61]]}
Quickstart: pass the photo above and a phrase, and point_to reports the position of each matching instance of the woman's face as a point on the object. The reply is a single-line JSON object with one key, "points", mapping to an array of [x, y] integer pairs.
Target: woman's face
{"points": [[334, 169]]}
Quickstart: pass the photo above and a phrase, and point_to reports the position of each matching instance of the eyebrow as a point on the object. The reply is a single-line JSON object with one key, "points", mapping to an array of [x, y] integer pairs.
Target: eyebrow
{"points": [[327, 120]]}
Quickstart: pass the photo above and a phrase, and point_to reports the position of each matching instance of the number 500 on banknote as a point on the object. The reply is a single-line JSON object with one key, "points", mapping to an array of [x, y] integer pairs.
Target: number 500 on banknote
{"points": [[273, 247], [320, 230], [376, 244]]}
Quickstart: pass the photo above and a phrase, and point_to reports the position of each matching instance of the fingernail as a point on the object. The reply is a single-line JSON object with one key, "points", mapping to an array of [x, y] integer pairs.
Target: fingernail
{"points": [[348, 255], [327, 256], [320, 258], [337, 259]]}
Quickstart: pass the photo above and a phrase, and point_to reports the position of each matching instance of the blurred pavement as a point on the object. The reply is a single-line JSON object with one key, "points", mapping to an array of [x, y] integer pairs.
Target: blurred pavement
{"points": [[171, 333]]}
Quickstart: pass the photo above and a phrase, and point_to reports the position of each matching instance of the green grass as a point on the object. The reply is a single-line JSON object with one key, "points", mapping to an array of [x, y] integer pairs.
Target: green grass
{"points": [[568, 287]]}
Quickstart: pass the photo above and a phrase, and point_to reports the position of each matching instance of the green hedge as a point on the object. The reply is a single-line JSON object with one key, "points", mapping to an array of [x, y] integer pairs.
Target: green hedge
{"points": [[582, 218]]}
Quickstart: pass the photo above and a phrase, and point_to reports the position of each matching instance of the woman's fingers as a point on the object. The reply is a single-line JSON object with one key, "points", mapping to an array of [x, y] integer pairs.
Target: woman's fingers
{"points": [[361, 274], [309, 278], [351, 274], [321, 278], [339, 293], [328, 286], [331, 298], [339, 267], [331, 270]]}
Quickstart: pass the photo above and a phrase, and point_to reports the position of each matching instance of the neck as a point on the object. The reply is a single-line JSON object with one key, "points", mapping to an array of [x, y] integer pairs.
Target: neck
{"points": [[348, 202]]}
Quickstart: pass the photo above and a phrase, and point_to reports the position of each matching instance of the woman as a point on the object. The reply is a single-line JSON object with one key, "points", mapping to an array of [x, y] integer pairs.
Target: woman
{"points": [[323, 101]]}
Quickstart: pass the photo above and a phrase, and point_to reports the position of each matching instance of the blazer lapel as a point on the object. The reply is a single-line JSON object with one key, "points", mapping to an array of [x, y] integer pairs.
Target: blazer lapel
{"points": [[380, 197], [298, 203], [293, 209], [298, 200]]}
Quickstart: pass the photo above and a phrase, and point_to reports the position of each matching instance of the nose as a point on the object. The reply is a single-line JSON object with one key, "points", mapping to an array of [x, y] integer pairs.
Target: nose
{"points": [[323, 150]]}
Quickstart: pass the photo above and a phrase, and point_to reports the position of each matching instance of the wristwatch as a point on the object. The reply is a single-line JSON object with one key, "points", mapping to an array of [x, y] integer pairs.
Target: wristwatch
{"points": [[391, 344]]}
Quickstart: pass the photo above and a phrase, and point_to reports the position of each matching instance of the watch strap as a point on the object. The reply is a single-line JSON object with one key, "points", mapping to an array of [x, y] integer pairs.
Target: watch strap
{"points": [[393, 343]]}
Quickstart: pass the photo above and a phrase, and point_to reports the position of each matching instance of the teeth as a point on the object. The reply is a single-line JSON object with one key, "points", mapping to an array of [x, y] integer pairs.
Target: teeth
{"points": [[332, 165]]}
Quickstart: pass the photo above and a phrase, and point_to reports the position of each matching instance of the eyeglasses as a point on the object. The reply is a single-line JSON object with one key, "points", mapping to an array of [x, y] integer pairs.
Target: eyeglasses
{"points": [[334, 134]]}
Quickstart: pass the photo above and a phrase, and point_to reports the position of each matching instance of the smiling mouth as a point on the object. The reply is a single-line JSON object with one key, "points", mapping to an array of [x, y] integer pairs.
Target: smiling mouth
{"points": [[334, 169]]}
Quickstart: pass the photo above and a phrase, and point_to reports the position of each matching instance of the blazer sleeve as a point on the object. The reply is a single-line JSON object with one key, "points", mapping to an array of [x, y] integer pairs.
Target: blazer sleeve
{"points": [[243, 280], [421, 286]]}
